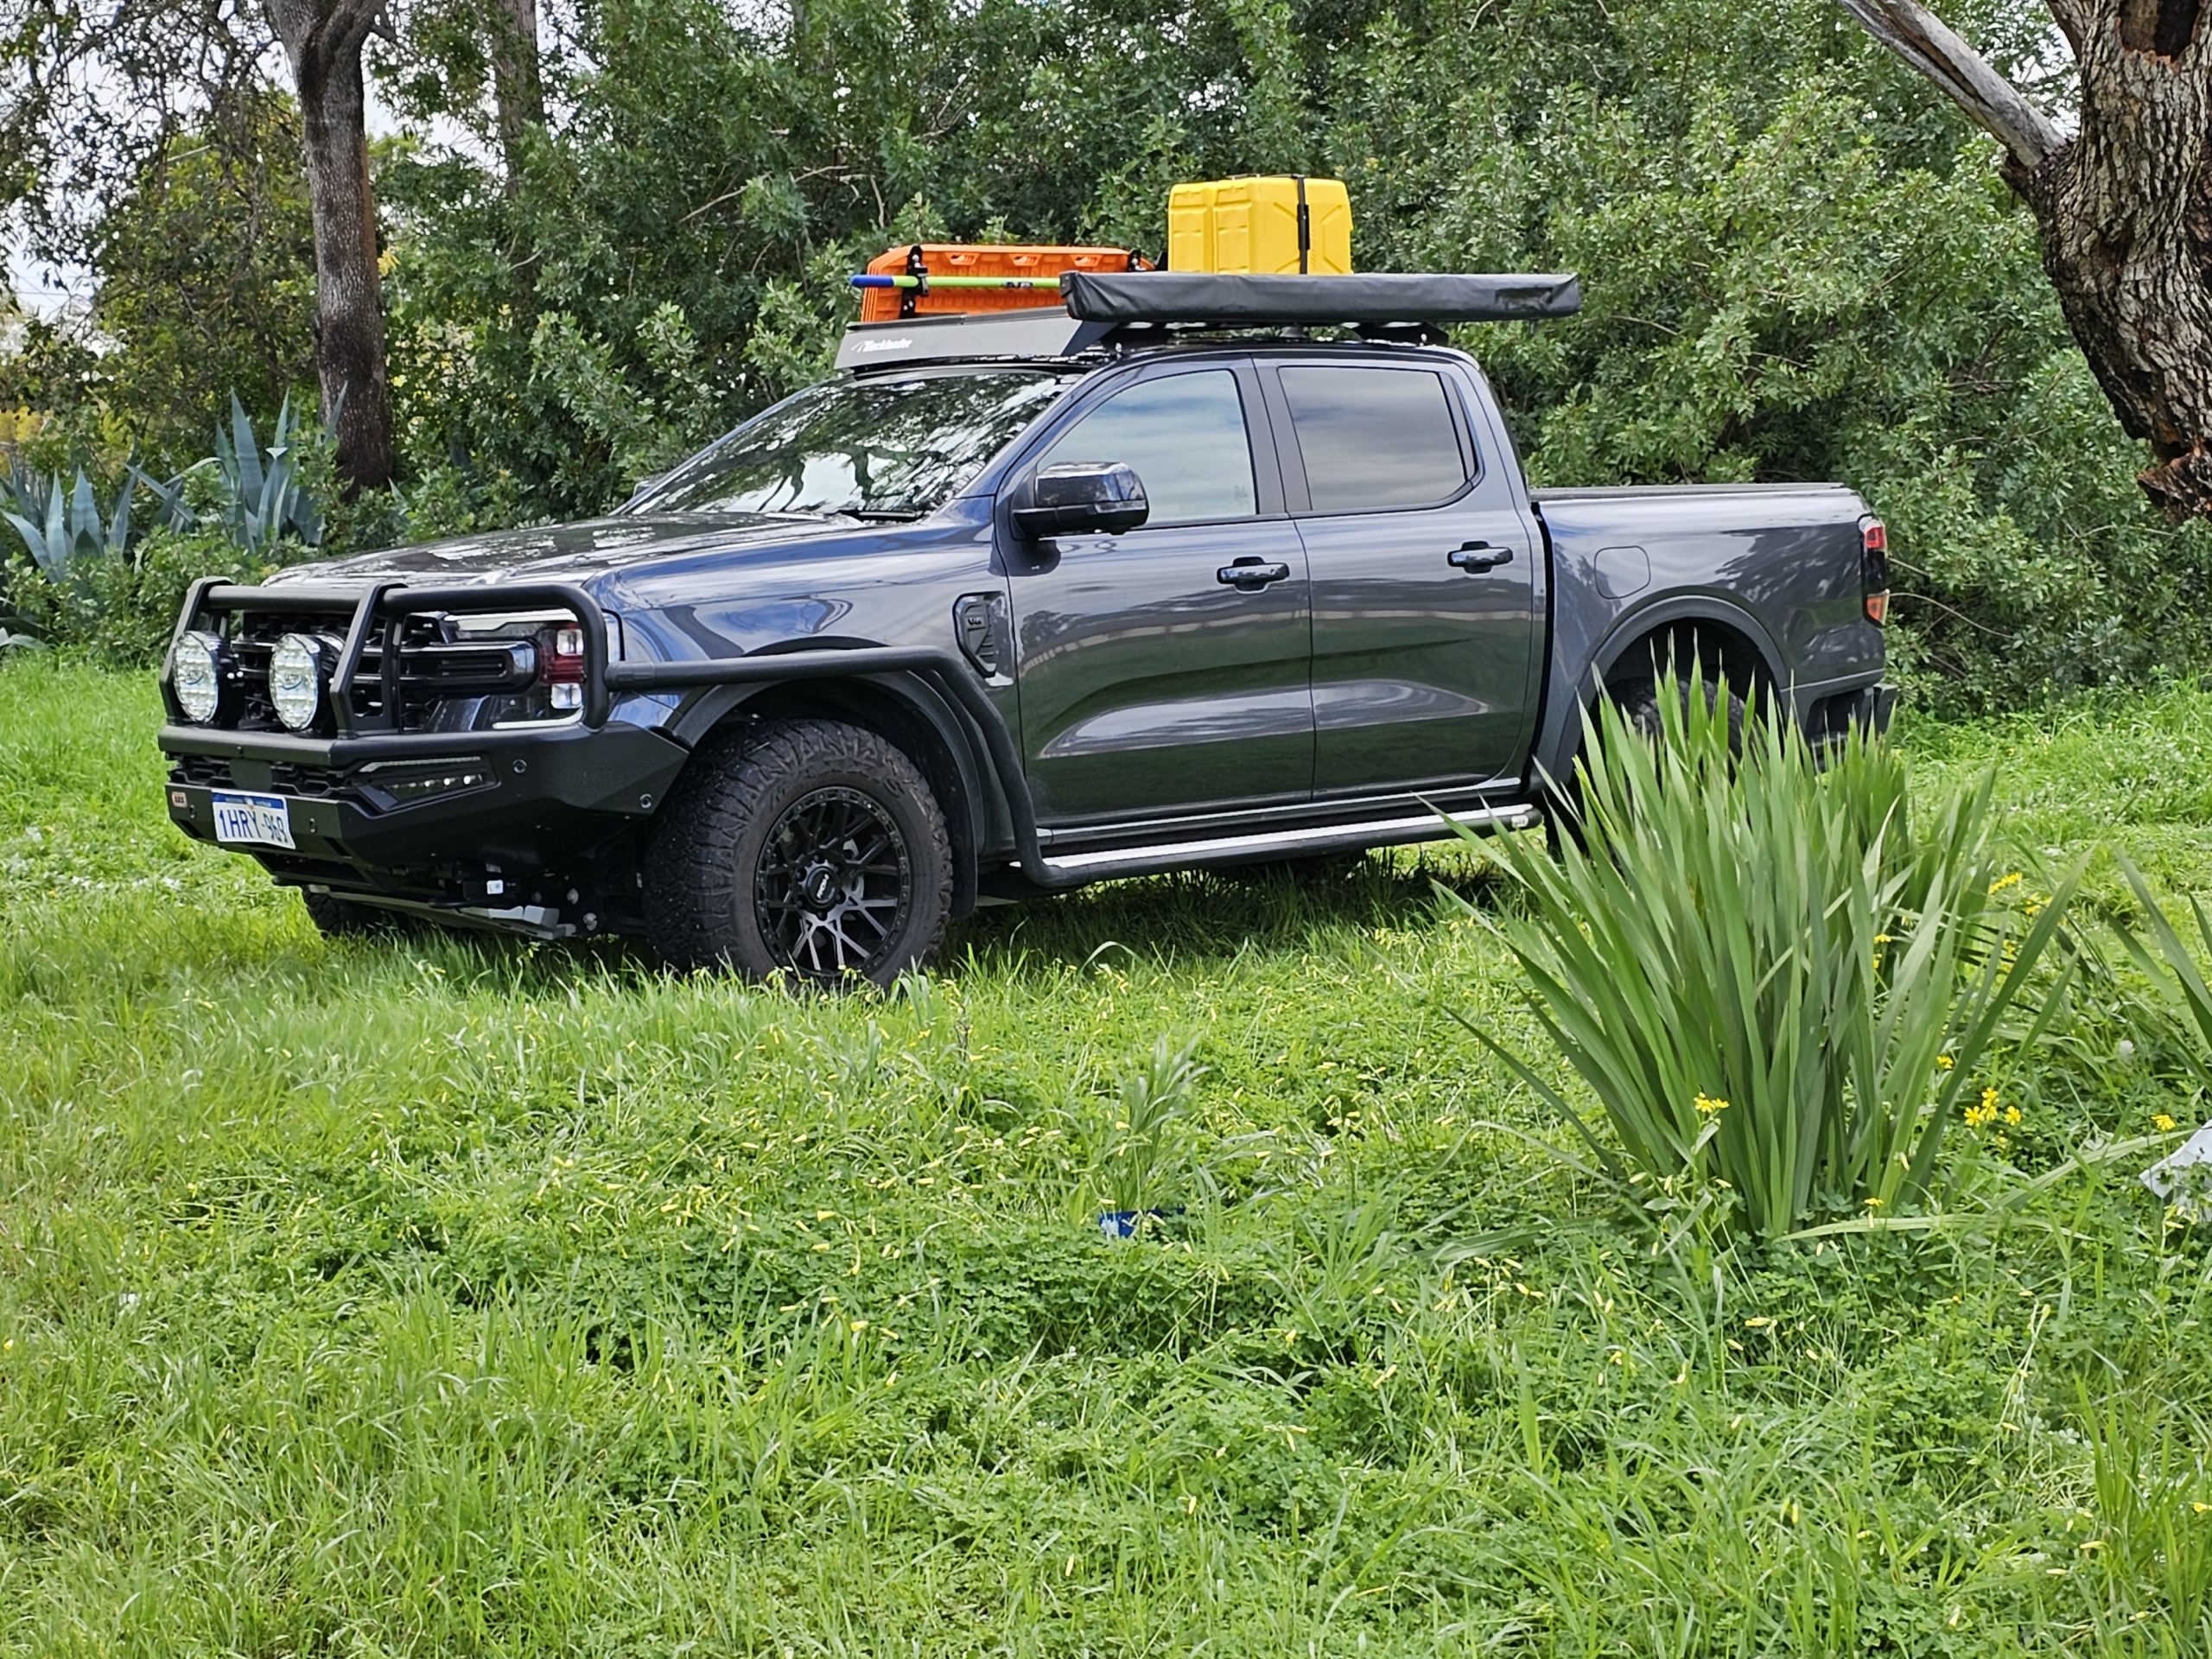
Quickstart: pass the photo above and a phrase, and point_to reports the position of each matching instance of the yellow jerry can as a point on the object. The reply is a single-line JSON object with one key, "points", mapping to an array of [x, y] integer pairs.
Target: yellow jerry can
{"points": [[1270, 226]]}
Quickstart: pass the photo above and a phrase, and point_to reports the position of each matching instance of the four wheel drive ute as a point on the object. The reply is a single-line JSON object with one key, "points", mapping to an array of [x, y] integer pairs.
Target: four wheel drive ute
{"points": [[1151, 579]]}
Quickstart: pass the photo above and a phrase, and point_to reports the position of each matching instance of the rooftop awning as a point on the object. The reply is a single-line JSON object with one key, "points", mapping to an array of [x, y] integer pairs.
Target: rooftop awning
{"points": [[1173, 297]]}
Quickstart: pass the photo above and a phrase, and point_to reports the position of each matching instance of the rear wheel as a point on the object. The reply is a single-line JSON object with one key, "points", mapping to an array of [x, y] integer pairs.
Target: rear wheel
{"points": [[1638, 702], [807, 848]]}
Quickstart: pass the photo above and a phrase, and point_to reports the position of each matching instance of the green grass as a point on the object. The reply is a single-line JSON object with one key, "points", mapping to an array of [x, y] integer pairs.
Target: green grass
{"points": [[452, 1299]]}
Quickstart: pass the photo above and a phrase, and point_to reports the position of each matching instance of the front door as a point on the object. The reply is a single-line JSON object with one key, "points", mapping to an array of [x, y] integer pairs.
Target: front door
{"points": [[1164, 670], [1423, 562]]}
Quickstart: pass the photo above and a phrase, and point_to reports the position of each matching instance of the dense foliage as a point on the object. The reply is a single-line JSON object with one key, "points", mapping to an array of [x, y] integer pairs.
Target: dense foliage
{"points": [[1797, 263]]}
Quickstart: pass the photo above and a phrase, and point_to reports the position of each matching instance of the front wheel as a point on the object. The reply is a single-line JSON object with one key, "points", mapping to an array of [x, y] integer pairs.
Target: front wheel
{"points": [[806, 848]]}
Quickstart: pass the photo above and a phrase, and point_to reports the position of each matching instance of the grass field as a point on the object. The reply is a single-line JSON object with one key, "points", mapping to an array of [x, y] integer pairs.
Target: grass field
{"points": [[450, 1299]]}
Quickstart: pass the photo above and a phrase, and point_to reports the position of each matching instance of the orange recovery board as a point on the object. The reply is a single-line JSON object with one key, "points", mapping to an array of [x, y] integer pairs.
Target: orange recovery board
{"points": [[931, 279]]}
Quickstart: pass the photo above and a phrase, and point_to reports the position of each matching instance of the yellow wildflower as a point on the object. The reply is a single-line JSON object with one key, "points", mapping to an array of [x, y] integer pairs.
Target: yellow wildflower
{"points": [[1988, 1112], [2003, 882], [2163, 1123], [1874, 1204], [1706, 1105], [1944, 1062]]}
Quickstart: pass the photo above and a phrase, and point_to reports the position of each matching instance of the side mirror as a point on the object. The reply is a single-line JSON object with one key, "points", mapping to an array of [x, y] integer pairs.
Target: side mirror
{"points": [[1083, 497]]}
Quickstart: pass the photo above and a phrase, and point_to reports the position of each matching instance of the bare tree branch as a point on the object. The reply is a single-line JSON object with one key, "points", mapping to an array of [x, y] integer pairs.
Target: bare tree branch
{"points": [[1925, 41]]}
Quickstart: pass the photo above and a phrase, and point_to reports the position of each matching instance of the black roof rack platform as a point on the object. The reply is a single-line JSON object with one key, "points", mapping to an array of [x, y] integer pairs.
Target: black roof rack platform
{"points": [[1046, 331], [1100, 304], [1173, 297]]}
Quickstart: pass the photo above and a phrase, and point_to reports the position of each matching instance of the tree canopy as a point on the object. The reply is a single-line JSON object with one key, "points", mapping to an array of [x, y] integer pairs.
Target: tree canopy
{"points": [[1796, 261]]}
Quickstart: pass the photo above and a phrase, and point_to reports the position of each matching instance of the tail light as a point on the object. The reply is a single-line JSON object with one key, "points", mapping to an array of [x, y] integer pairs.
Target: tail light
{"points": [[561, 666], [1874, 567]]}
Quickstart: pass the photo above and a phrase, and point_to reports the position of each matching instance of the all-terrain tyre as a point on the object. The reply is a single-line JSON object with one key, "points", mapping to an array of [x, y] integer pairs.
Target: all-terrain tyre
{"points": [[804, 847], [1638, 702], [343, 918]]}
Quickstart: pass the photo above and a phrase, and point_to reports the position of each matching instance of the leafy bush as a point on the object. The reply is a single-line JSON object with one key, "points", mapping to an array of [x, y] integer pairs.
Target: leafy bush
{"points": [[1804, 1037], [118, 608], [107, 582]]}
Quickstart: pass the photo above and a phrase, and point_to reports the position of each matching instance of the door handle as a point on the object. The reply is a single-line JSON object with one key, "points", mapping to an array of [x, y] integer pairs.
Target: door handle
{"points": [[1249, 576], [1477, 556]]}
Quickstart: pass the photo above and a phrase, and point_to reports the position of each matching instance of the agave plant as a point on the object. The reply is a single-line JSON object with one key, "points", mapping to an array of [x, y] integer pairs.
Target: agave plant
{"points": [[63, 523], [265, 500], [171, 510]]}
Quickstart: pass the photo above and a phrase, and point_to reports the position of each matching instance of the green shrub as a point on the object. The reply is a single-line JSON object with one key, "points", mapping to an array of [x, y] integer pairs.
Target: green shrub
{"points": [[1771, 977], [118, 607]]}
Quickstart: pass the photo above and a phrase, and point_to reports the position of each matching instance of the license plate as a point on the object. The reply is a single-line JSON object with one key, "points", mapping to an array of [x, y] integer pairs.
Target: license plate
{"points": [[258, 820]]}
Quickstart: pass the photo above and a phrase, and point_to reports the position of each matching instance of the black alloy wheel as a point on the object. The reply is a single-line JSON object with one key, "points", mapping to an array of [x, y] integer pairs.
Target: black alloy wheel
{"points": [[1638, 701], [833, 885], [808, 850]]}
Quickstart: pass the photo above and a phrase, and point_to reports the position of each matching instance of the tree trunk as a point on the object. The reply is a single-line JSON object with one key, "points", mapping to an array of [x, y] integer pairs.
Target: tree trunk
{"points": [[323, 39], [2124, 205], [2126, 211], [517, 85]]}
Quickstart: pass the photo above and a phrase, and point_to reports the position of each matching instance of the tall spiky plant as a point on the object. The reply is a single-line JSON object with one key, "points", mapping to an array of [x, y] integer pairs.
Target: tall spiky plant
{"points": [[263, 499], [60, 524], [1769, 973]]}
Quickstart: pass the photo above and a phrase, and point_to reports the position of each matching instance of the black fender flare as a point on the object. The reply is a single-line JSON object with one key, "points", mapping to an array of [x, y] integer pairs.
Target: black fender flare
{"points": [[1560, 740], [1629, 631], [956, 761]]}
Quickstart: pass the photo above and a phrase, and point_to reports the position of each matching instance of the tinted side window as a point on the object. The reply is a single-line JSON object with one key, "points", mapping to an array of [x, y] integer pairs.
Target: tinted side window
{"points": [[1374, 438], [1185, 436]]}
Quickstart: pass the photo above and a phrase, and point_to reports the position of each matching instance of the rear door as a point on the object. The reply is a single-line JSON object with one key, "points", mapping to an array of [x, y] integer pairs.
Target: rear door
{"points": [[1422, 560], [1164, 670]]}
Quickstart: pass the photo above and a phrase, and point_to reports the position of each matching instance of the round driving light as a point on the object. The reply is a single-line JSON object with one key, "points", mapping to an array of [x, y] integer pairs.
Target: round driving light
{"points": [[296, 681], [196, 675]]}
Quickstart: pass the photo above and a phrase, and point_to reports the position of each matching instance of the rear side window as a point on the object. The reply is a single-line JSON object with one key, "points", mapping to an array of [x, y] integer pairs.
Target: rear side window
{"points": [[1183, 435], [1374, 438]]}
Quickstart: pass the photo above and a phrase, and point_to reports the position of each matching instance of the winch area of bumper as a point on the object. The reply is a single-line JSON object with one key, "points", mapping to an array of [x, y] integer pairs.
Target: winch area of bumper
{"points": [[403, 802]]}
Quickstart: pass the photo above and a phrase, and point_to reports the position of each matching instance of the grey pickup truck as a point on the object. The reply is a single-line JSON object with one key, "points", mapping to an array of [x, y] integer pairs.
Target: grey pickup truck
{"points": [[1187, 570]]}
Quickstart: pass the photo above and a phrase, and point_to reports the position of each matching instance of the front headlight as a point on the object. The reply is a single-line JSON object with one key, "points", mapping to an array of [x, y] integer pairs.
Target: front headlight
{"points": [[295, 680], [196, 675]]}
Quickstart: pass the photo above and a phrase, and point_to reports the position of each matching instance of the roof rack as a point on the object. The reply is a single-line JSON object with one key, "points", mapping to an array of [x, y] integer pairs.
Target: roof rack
{"points": [[1122, 308], [1041, 332]]}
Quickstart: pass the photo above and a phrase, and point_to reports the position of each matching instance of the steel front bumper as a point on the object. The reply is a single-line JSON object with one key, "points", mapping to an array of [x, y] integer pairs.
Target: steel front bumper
{"points": [[406, 802], [366, 794]]}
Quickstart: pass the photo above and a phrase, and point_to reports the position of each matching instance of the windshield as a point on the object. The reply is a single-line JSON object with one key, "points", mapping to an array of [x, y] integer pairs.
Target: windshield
{"points": [[889, 449]]}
